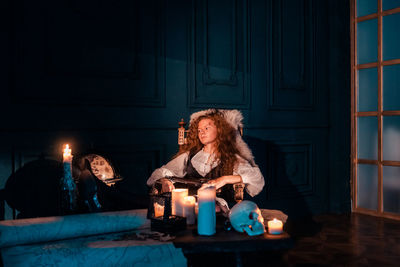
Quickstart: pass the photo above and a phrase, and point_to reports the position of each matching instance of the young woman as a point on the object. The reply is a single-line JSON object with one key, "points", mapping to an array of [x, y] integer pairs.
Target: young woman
{"points": [[214, 151]]}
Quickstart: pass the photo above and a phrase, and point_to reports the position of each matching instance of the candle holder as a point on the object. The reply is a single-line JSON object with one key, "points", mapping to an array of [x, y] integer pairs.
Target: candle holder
{"points": [[158, 200], [166, 223]]}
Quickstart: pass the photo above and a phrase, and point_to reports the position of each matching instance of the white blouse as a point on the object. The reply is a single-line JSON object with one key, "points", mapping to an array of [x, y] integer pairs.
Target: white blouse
{"points": [[204, 162]]}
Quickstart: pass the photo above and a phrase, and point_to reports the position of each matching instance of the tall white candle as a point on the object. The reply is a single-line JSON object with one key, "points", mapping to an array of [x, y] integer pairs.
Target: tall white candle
{"points": [[206, 218], [177, 198], [188, 204], [275, 227]]}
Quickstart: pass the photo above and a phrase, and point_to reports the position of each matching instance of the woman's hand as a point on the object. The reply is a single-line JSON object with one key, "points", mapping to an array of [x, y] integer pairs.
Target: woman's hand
{"points": [[218, 182], [223, 180], [166, 185]]}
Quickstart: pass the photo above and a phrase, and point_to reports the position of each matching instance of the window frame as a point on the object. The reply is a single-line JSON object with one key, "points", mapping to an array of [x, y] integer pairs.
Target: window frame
{"points": [[380, 113]]}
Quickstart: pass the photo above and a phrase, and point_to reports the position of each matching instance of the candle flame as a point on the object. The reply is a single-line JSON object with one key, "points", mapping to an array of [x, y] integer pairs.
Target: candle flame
{"points": [[67, 150], [190, 200]]}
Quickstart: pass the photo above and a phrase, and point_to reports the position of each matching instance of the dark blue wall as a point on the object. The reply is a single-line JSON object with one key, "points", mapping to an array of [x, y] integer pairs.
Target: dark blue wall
{"points": [[117, 76]]}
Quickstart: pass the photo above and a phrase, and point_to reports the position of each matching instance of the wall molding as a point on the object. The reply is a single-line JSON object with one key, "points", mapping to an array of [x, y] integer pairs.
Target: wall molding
{"points": [[291, 169], [205, 85], [294, 90]]}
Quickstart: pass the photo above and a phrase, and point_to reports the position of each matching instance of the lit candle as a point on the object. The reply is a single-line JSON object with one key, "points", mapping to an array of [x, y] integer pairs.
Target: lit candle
{"points": [[158, 210], [188, 206], [67, 162], [206, 218], [177, 198], [275, 227], [67, 156], [68, 187]]}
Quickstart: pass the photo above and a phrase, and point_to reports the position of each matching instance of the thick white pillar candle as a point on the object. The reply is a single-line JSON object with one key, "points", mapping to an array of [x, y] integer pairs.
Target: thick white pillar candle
{"points": [[188, 204], [177, 198], [275, 227], [206, 218]]}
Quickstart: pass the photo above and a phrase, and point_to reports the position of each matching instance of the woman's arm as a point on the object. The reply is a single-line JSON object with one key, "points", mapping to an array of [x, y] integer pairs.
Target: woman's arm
{"points": [[251, 177], [174, 168], [224, 180], [245, 173]]}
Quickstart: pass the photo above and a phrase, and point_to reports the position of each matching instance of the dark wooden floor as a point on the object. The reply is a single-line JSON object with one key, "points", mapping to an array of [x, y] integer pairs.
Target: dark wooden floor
{"points": [[331, 240], [340, 240]]}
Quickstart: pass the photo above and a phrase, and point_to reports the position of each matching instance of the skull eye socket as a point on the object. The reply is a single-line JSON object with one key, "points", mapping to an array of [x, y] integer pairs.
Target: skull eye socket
{"points": [[251, 216]]}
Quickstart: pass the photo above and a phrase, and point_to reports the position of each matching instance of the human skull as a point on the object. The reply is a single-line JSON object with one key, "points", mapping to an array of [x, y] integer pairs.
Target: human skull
{"points": [[246, 217]]}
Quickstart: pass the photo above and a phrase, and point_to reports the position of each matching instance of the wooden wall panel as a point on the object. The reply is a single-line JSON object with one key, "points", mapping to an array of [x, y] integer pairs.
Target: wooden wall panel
{"points": [[72, 52], [295, 168], [293, 59], [118, 76], [218, 54]]}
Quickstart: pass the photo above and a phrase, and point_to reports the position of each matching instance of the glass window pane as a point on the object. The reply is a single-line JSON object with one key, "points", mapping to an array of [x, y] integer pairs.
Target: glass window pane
{"points": [[367, 41], [391, 189], [367, 138], [390, 4], [367, 96], [391, 87], [366, 7], [367, 184], [391, 138], [391, 36]]}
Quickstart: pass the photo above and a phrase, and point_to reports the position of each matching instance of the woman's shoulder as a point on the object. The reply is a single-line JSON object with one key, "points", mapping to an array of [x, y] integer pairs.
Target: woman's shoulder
{"points": [[182, 155], [240, 159], [178, 158]]}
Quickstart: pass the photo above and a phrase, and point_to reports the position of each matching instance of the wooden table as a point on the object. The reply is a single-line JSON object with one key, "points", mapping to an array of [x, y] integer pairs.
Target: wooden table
{"points": [[230, 242]]}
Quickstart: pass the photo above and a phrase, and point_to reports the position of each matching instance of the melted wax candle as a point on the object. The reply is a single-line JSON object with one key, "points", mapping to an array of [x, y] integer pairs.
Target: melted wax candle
{"points": [[177, 198], [206, 219], [275, 227], [188, 205], [68, 187], [67, 162], [158, 210]]}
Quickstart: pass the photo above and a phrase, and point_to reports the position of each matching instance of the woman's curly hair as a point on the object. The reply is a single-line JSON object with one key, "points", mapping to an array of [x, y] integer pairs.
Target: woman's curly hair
{"points": [[225, 144]]}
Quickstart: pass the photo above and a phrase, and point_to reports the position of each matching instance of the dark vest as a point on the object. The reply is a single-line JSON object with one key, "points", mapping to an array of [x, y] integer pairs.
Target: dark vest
{"points": [[226, 192]]}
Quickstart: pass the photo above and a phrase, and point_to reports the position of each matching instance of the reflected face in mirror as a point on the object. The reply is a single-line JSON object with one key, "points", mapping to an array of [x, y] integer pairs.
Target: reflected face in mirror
{"points": [[207, 131]]}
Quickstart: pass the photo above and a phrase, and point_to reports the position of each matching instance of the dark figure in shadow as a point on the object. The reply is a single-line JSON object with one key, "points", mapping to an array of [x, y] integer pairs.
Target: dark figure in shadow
{"points": [[87, 186], [34, 190], [282, 166]]}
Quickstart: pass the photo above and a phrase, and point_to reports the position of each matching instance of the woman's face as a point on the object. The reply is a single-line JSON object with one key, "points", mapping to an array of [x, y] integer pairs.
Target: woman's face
{"points": [[207, 131]]}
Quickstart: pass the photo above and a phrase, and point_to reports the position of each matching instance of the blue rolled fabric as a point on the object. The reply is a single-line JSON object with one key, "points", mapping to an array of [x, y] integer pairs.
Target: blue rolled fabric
{"points": [[99, 250], [28, 231]]}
